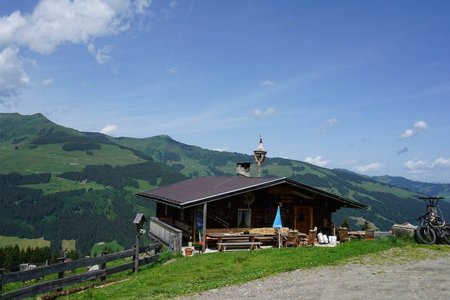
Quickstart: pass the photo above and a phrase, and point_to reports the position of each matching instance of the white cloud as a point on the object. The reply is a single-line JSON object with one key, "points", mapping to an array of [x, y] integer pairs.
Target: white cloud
{"points": [[53, 23], [268, 83], [221, 149], [12, 73], [419, 126], [329, 123], [442, 162], [318, 161], [375, 166], [422, 166], [101, 54], [413, 165], [408, 133], [332, 122], [109, 129], [47, 82], [9, 25], [259, 113]]}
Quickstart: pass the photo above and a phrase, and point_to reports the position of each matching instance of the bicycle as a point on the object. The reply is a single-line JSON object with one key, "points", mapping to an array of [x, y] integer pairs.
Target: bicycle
{"points": [[433, 227]]}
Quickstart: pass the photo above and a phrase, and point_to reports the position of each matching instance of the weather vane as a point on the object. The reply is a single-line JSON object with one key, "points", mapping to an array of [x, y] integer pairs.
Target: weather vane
{"points": [[260, 155]]}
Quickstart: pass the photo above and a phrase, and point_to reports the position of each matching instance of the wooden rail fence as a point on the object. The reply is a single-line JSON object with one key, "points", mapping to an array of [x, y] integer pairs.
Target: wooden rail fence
{"points": [[60, 268]]}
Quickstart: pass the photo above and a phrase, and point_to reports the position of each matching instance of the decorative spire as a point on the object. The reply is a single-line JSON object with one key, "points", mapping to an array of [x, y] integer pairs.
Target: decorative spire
{"points": [[260, 155], [260, 146]]}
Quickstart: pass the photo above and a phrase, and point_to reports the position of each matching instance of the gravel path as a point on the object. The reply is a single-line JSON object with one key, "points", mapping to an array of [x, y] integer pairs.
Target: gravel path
{"points": [[419, 279]]}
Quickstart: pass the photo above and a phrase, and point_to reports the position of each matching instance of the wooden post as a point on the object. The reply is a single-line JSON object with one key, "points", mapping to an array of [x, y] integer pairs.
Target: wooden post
{"points": [[136, 255], [103, 266], [194, 227], [1, 280], [60, 274], [205, 209]]}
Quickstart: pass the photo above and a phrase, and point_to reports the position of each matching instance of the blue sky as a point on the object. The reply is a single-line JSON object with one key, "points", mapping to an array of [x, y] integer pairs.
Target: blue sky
{"points": [[360, 85]]}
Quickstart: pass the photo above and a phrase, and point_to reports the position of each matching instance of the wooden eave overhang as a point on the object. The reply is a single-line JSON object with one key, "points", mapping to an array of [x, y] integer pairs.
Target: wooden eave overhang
{"points": [[193, 192]]}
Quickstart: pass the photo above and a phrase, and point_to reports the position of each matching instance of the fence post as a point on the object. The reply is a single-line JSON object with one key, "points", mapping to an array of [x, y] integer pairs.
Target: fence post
{"points": [[1, 280], [60, 274], [136, 255], [103, 266]]}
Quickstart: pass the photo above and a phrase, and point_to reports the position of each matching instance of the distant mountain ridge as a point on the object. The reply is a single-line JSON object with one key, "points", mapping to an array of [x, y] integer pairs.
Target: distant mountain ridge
{"points": [[91, 178], [430, 189]]}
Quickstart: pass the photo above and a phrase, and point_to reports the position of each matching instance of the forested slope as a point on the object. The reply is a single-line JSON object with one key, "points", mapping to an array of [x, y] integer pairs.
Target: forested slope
{"points": [[52, 179]]}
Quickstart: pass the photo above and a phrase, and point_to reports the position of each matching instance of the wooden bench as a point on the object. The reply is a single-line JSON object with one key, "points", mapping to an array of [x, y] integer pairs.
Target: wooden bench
{"points": [[250, 245]]}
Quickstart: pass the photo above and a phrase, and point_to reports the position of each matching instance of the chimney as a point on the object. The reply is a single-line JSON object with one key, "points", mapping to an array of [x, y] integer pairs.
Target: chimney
{"points": [[243, 169]]}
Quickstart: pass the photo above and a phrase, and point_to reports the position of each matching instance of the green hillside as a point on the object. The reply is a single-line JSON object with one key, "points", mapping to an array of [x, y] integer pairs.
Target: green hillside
{"points": [[433, 189], [52, 179], [389, 204], [19, 129]]}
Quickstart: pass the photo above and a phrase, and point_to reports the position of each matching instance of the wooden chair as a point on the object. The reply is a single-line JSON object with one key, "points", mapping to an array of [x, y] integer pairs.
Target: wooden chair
{"points": [[302, 240], [312, 236], [343, 234], [291, 239]]}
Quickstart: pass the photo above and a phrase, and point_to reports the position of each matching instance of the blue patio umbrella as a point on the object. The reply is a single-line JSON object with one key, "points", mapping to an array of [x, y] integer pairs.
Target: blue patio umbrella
{"points": [[277, 225]]}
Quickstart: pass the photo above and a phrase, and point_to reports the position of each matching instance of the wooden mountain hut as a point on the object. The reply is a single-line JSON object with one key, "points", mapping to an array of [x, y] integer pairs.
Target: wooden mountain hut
{"points": [[237, 203]]}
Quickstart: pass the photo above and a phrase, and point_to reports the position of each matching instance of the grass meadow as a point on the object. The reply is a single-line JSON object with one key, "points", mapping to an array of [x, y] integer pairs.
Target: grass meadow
{"points": [[23, 243], [187, 275]]}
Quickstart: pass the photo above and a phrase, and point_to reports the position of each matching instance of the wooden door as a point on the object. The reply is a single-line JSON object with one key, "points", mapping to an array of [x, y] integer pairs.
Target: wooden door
{"points": [[303, 219]]}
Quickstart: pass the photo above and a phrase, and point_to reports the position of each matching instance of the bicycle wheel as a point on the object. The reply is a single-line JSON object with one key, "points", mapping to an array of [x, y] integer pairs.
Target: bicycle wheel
{"points": [[425, 234], [445, 235]]}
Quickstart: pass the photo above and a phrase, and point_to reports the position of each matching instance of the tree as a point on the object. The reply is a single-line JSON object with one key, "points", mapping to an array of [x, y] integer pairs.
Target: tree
{"points": [[366, 225], [345, 223]]}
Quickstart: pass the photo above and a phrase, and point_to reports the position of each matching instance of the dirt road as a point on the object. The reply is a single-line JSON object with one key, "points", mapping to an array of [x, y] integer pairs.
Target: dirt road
{"points": [[423, 278]]}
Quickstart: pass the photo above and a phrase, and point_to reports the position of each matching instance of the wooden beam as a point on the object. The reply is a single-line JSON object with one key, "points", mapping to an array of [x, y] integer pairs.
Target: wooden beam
{"points": [[205, 210]]}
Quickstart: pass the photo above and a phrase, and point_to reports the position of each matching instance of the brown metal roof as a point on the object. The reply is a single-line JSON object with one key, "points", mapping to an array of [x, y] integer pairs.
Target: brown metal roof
{"points": [[208, 188], [212, 188]]}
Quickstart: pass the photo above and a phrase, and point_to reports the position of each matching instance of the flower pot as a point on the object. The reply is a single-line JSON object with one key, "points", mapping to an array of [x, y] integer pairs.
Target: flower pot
{"points": [[188, 251]]}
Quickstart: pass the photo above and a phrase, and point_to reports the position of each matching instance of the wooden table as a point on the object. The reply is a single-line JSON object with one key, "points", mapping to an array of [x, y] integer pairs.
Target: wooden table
{"points": [[360, 234], [236, 239]]}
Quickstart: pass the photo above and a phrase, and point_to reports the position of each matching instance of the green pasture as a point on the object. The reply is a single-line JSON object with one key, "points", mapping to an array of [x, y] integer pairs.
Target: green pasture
{"points": [[69, 245], [376, 187], [98, 248], [187, 275], [23, 243], [52, 159], [58, 184], [143, 185]]}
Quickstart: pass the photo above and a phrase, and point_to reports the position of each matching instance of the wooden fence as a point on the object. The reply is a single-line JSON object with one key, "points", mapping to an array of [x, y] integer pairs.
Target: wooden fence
{"points": [[60, 268]]}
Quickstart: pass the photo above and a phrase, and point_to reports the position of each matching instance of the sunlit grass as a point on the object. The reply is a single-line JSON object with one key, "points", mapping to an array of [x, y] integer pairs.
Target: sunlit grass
{"points": [[58, 184], [23, 243], [98, 248], [204, 272], [52, 159]]}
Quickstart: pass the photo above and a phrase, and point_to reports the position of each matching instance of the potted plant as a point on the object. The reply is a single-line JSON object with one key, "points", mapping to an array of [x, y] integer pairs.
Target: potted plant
{"points": [[188, 251], [198, 246]]}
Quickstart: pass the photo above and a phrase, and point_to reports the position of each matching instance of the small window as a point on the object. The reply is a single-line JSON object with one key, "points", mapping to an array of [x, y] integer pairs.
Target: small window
{"points": [[244, 218]]}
